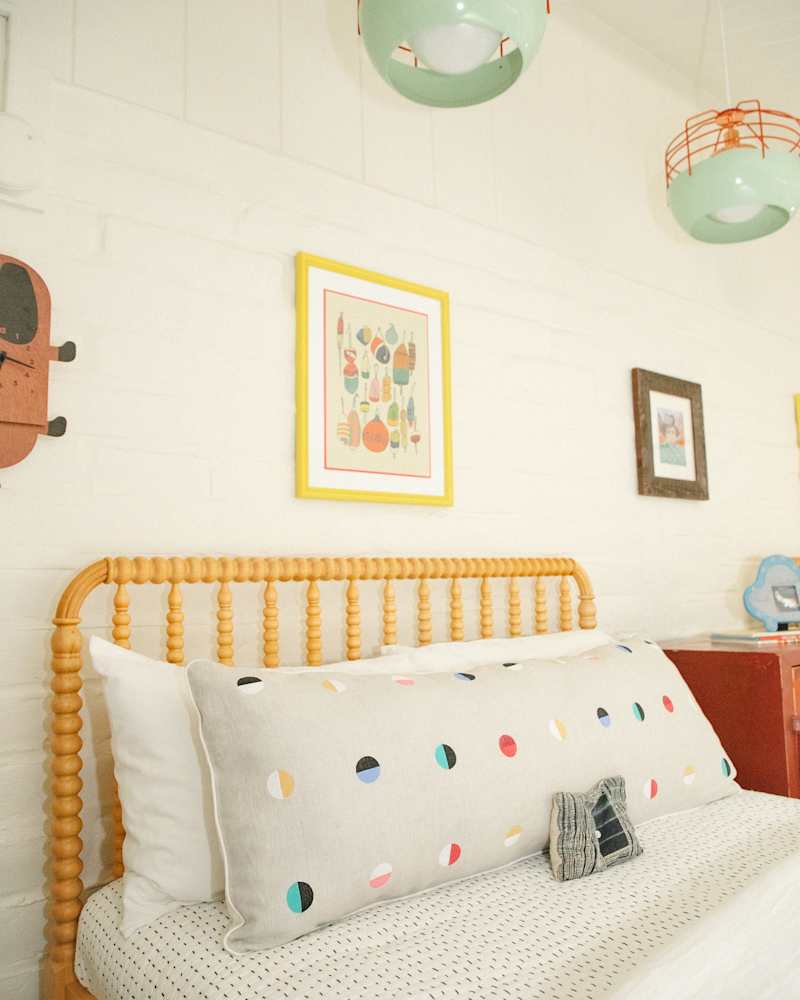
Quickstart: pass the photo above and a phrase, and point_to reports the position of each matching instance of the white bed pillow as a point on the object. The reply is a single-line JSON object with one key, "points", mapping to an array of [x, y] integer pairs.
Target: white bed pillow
{"points": [[171, 851], [452, 655], [334, 794]]}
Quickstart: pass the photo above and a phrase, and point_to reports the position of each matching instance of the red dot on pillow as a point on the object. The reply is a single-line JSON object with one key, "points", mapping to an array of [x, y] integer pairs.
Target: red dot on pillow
{"points": [[508, 745]]}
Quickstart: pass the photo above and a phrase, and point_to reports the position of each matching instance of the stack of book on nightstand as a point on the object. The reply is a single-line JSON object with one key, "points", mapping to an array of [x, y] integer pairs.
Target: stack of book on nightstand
{"points": [[766, 638]]}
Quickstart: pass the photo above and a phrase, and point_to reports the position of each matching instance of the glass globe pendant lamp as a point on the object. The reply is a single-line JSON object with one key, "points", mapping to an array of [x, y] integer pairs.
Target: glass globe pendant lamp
{"points": [[734, 175], [462, 49]]}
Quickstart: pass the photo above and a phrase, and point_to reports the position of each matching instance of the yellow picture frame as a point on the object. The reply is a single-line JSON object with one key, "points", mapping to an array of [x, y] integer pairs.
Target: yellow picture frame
{"points": [[306, 488], [797, 417]]}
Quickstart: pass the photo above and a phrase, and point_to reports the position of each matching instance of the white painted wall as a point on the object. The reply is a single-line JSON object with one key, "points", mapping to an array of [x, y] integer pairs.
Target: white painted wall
{"points": [[192, 149]]}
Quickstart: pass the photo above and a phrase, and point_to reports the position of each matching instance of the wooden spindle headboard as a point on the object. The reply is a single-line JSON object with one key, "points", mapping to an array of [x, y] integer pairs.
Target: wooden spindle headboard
{"points": [[65, 842]]}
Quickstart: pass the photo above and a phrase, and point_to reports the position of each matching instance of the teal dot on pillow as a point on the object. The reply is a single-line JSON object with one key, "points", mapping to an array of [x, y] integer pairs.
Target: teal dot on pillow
{"points": [[445, 757], [638, 711], [299, 897], [727, 770]]}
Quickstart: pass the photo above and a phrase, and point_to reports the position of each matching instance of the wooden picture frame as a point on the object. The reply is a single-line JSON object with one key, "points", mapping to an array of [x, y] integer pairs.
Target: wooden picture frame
{"points": [[670, 436], [373, 387]]}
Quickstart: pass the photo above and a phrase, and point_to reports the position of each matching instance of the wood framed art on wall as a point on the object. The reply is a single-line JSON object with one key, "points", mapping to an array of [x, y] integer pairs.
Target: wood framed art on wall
{"points": [[373, 387], [670, 436]]}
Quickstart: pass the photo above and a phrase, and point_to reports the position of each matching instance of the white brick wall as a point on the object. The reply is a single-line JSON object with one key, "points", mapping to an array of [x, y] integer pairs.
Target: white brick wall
{"points": [[192, 149]]}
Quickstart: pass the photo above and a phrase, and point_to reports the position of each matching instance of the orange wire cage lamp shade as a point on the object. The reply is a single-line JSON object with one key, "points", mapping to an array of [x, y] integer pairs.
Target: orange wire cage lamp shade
{"points": [[734, 175]]}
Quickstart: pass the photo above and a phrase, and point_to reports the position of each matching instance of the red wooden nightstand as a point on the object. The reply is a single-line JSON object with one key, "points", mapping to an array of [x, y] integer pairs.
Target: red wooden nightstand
{"points": [[751, 695]]}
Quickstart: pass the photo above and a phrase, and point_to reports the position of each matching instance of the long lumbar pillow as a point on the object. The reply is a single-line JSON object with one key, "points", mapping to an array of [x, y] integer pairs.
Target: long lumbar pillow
{"points": [[478, 652], [171, 852], [333, 794]]}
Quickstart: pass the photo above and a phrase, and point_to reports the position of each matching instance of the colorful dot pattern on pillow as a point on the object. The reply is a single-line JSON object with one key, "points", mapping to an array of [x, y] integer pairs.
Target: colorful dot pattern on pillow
{"points": [[445, 757], [368, 770], [299, 897], [449, 777], [508, 745]]}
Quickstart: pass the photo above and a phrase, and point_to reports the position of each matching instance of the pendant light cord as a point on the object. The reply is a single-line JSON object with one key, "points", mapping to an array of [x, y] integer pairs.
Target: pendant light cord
{"points": [[728, 96]]}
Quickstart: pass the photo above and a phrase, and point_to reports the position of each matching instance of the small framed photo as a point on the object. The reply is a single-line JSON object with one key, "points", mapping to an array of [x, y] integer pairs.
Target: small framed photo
{"points": [[373, 387], [670, 437]]}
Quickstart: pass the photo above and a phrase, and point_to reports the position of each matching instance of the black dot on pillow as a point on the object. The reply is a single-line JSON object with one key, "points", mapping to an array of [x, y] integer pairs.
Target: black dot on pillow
{"points": [[368, 770], [249, 685], [299, 897]]}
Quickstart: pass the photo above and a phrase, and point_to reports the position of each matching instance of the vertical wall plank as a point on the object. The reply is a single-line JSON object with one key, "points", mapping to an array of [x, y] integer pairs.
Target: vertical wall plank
{"points": [[233, 68]]}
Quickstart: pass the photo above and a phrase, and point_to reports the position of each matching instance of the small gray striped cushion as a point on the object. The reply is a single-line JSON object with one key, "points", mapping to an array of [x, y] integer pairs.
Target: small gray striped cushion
{"points": [[591, 832]]}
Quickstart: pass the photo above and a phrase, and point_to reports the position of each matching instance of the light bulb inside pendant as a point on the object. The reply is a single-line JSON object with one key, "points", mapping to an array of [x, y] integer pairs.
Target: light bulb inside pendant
{"points": [[453, 49], [737, 214]]}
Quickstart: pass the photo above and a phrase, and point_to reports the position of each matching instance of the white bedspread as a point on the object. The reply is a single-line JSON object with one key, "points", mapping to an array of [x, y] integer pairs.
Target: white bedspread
{"points": [[693, 917], [745, 949]]}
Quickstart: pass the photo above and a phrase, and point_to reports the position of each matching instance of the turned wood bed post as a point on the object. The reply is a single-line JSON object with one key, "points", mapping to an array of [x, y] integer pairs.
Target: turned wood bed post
{"points": [[66, 866]]}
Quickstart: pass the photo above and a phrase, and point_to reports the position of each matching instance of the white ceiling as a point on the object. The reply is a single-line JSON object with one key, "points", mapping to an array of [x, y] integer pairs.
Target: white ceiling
{"points": [[763, 43]]}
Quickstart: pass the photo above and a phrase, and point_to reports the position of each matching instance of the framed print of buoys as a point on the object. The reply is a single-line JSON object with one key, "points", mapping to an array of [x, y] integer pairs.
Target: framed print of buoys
{"points": [[373, 387]]}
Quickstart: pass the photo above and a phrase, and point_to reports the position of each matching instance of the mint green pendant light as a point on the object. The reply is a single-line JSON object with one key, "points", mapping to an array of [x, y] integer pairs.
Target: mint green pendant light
{"points": [[734, 175], [452, 39]]}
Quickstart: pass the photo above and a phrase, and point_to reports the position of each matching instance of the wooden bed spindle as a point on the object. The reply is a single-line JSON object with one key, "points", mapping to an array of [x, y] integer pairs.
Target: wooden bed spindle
{"points": [[487, 614], [175, 650], [271, 635], [353, 616], [66, 804], [121, 620], [389, 614], [313, 626], [540, 606], [225, 624], [424, 633], [456, 612], [121, 633], [565, 605], [514, 608]]}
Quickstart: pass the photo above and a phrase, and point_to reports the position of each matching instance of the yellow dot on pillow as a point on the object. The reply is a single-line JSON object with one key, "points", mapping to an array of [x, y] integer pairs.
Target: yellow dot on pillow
{"points": [[512, 836], [280, 784], [334, 686], [557, 730]]}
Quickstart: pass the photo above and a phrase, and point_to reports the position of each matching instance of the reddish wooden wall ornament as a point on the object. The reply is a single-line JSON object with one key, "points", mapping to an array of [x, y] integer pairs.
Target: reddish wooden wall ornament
{"points": [[25, 356]]}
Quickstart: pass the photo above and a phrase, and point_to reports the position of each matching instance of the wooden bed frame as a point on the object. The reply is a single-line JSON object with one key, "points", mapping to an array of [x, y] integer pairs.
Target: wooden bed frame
{"points": [[66, 866]]}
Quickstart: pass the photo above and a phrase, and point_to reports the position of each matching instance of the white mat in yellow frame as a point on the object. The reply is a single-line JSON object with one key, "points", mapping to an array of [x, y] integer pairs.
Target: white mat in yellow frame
{"points": [[373, 387]]}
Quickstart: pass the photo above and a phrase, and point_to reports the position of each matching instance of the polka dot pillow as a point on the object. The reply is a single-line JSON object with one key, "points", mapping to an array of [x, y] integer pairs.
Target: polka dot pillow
{"points": [[336, 793]]}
